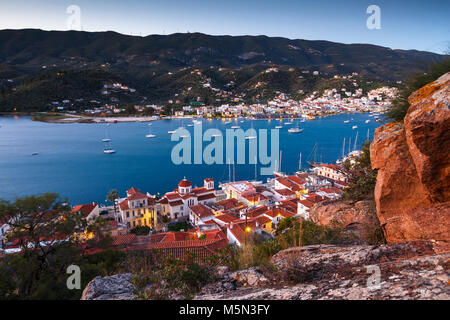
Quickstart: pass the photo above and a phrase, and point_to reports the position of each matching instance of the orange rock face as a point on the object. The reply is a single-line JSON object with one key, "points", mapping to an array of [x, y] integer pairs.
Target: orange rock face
{"points": [[413, 162]]}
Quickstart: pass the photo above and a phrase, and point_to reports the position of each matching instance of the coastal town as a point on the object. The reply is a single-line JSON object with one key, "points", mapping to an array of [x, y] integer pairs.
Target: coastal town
{"points": [[207, 217], [315, 104]]}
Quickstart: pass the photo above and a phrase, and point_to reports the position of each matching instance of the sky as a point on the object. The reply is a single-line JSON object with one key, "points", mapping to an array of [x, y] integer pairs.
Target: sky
{"points": [[412, 24]]}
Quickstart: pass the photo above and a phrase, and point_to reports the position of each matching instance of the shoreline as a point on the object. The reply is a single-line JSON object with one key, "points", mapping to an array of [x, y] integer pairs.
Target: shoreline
{"points": [[67, 118]]}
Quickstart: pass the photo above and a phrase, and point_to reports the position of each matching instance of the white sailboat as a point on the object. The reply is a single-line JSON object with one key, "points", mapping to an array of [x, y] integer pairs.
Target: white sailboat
{"points": [[355, 127], [251, 137], [347, 121], [106, 139], [108, 149], [150, 135], [295, 130], [279, 127]]}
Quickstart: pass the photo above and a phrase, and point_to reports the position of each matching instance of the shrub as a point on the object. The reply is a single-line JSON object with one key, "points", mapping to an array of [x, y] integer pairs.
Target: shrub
{"points": [[401, 105], [362, 178]]}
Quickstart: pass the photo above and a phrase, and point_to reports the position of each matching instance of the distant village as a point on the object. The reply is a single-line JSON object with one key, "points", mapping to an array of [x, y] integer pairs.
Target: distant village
{"points": [[330, 101], [213, 216]]}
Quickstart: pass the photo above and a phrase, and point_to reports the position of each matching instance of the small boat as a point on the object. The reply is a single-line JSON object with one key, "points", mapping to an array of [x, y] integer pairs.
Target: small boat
{"points": [[250, 138], [35, 154], [295, 130], [367, 121], [150, 135], [227, 122], [235, 127], [288, 123], [184, 137], [355, 127], [303, 120], [347, 121], [190, 125], [108, 149], [279, 127], [106, 139]]}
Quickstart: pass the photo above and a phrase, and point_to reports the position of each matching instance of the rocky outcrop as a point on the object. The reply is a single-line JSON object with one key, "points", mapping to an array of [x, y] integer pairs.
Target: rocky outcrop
{"points": [[359, 220], [117, 287], [416, 270], [412, 193]]}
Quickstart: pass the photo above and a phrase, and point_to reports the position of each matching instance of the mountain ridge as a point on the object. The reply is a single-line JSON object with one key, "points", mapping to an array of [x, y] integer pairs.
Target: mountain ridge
{"points": [[178, 66]]}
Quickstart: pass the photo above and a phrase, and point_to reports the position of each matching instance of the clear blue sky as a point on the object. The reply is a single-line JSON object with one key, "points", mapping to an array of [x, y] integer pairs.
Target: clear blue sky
{"points": [[412, 24]]}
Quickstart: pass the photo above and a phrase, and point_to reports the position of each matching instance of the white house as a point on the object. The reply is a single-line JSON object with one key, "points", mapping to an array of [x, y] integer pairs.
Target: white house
{"points": [[176, 204]]}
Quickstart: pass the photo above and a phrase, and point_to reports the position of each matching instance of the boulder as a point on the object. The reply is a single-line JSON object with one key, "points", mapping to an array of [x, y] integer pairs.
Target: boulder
{"points": [[403, 271], [116, 287], [358, 219]]}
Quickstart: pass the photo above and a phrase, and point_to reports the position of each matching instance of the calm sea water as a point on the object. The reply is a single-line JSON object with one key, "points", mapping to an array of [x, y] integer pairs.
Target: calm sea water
{"points": [[71, 161]]}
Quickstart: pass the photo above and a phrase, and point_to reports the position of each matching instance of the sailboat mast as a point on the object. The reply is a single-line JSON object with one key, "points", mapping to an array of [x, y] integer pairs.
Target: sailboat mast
{"points": [[343, 150], [229, 170], [256, 169], [315, 153], [300, 163], [234, 172], [281, 155]]}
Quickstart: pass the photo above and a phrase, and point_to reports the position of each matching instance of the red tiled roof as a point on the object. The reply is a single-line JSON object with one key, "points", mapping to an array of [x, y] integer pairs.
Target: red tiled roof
{"points": [[315, 198], [336, 190], [285, 192], [184, 183], [201, 190], [206, 197], [228, 204], [136, 196], [289, 205], [172, 196], [201, 211], [307, 203], [257, 211], [254, 197], [262, 220], [289, 184], [85, 209], [297, 180], [133, 191], [123, 240], [176, 203], [226, 218], [274, 212]]}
